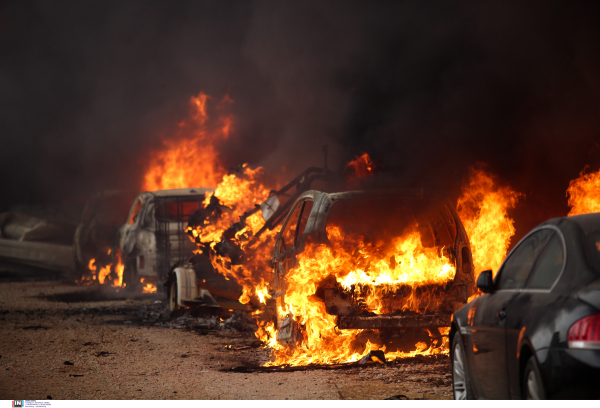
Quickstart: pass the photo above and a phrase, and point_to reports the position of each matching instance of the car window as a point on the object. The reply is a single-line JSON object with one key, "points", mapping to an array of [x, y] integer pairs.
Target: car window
{"points": [[136, 210], [549, 265], [518, 265], [303, 218], [289, 232], [177, 210]]}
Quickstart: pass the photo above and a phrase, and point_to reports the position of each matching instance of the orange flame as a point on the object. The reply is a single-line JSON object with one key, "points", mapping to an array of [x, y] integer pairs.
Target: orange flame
{"points": [[367, 272], [191, 158], [361, 167], [483, 210], [240, 192], [107, 273], [584, 193], [149, 287]]}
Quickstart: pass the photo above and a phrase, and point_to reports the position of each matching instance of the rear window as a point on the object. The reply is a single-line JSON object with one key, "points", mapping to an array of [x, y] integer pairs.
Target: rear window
{"points": [[176, 211]]}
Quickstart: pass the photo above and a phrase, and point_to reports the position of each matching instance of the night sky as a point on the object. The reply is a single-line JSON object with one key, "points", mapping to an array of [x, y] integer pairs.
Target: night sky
{"points": [[427, 88]]}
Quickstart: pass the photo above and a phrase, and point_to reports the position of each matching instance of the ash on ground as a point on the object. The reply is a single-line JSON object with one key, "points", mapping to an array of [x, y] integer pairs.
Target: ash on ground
{"points": [[239, 321]]}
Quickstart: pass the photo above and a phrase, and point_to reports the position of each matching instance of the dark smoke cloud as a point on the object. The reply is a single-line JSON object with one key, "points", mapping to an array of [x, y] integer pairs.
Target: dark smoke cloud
{"points": [[428, 88]]}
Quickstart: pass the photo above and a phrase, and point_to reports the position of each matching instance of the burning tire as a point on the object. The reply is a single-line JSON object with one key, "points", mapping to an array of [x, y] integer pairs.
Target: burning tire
{"points": [[461, 382]]}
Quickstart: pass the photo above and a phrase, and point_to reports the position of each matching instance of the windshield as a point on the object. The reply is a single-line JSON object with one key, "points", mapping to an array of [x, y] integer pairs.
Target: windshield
{"points": [[387, 218]]}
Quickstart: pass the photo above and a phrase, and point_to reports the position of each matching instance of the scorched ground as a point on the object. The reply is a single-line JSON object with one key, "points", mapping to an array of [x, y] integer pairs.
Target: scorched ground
{"points": [[87, 342]]}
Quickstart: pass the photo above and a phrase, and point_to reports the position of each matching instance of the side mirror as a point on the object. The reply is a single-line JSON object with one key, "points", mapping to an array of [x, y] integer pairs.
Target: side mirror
{"points": [[485, 282]]}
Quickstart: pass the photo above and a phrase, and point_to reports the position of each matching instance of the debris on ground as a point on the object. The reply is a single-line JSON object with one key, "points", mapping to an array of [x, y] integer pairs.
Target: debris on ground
{"points": [[373, 356]]}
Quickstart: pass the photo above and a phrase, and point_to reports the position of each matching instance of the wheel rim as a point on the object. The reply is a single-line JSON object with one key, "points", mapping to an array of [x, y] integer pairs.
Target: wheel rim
{"points": [[532, 386], [459, 378]]}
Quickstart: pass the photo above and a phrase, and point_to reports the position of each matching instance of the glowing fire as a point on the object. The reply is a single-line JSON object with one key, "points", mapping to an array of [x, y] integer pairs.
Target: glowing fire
{"points": [[361, 167], [107, 274], [191, 159], [149, 287], [483, 210], [584, 193], [368, 272], [240, 193]]}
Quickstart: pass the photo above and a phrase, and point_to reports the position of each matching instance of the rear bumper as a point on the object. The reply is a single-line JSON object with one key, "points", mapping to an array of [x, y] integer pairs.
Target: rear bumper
{"points": [[570, 373]]}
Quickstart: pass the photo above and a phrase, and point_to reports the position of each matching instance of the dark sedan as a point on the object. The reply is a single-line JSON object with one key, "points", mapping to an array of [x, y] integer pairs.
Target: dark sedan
{"points": [[535, 333]]}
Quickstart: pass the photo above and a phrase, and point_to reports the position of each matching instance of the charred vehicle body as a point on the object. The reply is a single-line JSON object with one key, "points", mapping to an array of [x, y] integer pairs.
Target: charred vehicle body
{"points": [[154, 240], [366, 233]]}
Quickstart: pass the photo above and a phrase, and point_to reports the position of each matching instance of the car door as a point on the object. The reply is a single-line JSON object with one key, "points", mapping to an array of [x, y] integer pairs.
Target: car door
{"points": [[529, 308], [489, 323]]}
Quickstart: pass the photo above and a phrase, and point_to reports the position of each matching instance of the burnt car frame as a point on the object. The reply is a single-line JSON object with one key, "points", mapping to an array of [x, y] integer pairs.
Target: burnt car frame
{"points": [[190, 282], [309, 216], [154, 240], [518, 340]]}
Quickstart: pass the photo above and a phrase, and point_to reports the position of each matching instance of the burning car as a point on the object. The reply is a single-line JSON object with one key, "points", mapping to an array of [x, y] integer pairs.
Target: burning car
{"points": [[353, 269], [232, 257], [154, 240]]}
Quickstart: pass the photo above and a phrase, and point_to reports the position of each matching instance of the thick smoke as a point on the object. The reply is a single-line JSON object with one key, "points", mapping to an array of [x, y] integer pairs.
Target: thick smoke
{"points": [[427, 88]]}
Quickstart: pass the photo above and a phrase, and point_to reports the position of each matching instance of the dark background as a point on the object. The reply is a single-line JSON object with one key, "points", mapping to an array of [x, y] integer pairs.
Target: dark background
{"points": [[427, 88]]}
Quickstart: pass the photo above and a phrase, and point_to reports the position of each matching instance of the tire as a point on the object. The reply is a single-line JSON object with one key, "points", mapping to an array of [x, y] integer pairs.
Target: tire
{"points": [[461, 381], [533, 387], [173, 306]]}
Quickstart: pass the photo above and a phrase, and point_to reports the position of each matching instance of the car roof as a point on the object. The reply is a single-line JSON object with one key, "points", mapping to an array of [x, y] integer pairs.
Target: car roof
{"points": [[182, 192], [411, 193], [587, 222]]}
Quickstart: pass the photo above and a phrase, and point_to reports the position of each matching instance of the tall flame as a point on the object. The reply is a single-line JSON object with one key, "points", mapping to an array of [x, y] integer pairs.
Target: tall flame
{"points": [[190, 159], [239, 192], [584, 193], [483, 209]]}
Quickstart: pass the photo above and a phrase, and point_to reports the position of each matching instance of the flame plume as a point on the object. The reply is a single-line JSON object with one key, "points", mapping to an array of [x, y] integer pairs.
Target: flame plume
{"points": [[239, 193], [191, 159], [483, 210], [584, 193]]}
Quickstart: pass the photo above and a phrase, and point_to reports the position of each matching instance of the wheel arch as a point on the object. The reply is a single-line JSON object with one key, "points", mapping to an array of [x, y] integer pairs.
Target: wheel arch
{"points": [[453, 329]]}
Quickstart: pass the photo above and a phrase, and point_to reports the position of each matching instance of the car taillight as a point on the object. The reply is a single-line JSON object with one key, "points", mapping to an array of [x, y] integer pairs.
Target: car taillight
{"points": [[585, 333]]}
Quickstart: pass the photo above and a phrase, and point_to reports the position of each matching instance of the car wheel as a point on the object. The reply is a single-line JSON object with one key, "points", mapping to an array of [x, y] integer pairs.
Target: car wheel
{"points": [[461, 382], [173, 306], [533, 388]]}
